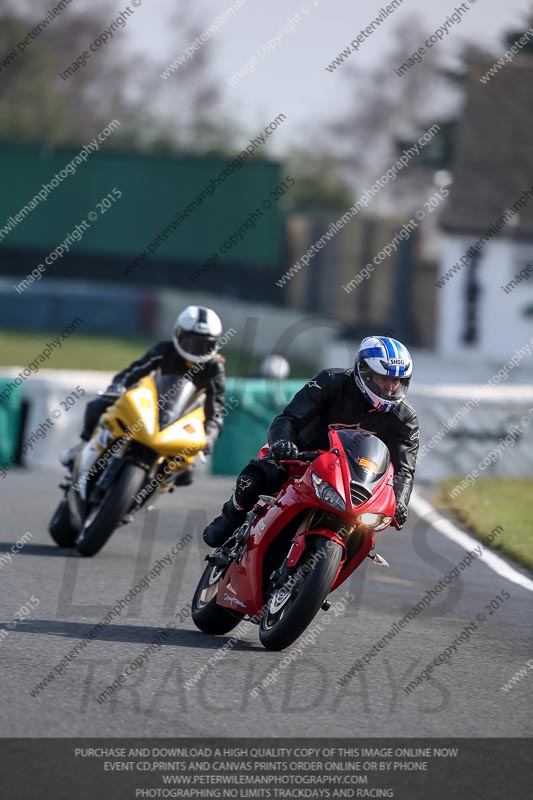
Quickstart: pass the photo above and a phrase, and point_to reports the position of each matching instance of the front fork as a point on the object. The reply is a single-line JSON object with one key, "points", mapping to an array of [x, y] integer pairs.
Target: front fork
{"points": [[280, 576], [355, 560], [298, 545]]}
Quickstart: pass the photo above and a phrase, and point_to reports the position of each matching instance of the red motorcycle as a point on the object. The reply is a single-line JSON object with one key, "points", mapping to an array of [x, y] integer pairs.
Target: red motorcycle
{"points": [[278, 568]]}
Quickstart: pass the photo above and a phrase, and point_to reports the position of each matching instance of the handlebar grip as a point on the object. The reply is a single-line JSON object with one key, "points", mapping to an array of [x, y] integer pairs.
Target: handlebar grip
{"points": [[308, 455], [305, 455]]}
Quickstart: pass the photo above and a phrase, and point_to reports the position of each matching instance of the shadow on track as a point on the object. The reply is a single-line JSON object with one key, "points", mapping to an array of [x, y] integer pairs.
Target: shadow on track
{"points": [[40, 550], [133, 634]]}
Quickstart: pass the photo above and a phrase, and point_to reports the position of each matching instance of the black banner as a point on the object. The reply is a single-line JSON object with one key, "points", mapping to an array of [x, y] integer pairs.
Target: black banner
{"points": [[126, 769]]}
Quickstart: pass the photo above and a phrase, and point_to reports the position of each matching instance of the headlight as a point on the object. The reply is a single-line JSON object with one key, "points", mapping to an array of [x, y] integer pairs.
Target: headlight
{"points": [[377, 522], [325, 492]]}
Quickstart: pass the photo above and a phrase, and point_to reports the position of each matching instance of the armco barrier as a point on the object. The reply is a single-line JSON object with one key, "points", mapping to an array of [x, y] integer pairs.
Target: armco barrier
{"points": [[459, 425], [244, 428], [10, 415]]}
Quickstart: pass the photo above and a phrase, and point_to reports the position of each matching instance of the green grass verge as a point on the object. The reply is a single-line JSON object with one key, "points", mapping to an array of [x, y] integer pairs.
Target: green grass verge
{"points": [[490, 502], [77, 352], [108, 353]]}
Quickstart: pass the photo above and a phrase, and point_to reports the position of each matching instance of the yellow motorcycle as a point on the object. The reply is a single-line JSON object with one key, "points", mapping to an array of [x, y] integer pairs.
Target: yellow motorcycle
{"points": [[150, 435]]}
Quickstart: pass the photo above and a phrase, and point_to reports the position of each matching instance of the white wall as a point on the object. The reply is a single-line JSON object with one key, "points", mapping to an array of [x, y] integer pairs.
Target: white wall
{"points": [[59, 427], [502, 326]]}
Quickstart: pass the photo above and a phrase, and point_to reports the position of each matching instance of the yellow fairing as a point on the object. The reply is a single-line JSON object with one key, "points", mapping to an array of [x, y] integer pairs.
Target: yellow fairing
{"points": [[137, 414]]}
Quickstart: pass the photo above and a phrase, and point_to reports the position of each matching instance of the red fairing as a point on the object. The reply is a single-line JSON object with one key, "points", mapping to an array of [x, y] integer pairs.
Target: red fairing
{"points": [[242, 588], [245, 580]]}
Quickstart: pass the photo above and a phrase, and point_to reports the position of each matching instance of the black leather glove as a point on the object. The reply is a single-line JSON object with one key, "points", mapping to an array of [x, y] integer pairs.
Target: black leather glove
{"points": [[114, 390], [283, 449], [400, 514]]}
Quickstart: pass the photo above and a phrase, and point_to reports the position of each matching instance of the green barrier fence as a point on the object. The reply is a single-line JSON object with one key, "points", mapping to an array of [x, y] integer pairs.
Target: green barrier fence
{"points": [[10, 413], [246, 423]]}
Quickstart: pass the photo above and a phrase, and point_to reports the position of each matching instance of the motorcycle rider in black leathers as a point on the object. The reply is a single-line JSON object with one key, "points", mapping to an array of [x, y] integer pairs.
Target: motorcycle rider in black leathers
{"points": [[191, 353], [371, 396]]}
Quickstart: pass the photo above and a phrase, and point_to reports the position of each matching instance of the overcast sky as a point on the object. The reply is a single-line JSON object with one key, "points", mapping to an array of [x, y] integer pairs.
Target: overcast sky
{"points": [[293, 78]]}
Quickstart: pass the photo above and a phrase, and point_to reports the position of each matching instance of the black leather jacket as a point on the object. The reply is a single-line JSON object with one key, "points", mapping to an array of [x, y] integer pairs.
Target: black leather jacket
{"points": [[210, 376], [332, 397]]}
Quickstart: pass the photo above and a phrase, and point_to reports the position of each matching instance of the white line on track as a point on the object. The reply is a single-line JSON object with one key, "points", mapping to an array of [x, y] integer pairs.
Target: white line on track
{"points": [[422, 508]]}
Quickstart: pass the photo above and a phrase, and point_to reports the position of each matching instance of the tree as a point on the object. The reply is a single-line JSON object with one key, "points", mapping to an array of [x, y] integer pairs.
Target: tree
{"points": [[47, 95], [36, 104], [318, 184], [190, 99], [388, 112], [383, 105]]}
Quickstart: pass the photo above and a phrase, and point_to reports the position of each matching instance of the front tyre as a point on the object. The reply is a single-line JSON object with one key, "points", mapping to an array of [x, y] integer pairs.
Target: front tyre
{"points": [[206, 614], [113, 508], [60, 527], [288, 612]]}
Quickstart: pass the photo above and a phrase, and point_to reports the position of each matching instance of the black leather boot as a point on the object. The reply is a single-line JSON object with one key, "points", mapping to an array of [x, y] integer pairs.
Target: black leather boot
{"points": [[184, 478], [221, 528]]}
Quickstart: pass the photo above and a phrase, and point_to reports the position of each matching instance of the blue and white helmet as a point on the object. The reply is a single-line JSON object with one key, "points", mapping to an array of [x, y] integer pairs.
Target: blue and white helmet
{"points": [[381, 355]]}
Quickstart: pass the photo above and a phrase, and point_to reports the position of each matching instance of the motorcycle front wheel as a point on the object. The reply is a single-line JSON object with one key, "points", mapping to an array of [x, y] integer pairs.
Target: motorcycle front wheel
{"points": [[207, 615], [288, 611], [60, 527], [115, 505]]}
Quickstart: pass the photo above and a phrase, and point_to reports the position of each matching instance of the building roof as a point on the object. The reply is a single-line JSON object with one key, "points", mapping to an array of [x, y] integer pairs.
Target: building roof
{"points": [[493, 157]]}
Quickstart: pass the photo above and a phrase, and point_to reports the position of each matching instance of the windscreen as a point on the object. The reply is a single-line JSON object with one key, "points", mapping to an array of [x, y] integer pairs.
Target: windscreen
{"points": [[176, 397], [367, 456]]}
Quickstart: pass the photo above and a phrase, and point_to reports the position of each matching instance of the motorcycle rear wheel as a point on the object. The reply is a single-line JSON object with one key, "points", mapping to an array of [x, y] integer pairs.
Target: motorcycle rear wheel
{"points": [[289, 612], [60, 527], [207, 615], [113, 508]]}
